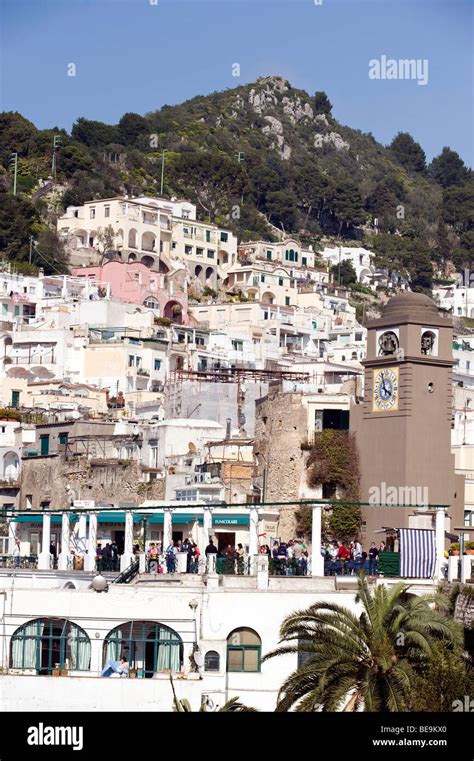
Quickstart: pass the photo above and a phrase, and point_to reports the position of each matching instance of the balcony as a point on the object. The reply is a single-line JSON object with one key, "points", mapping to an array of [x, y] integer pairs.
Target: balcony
{"points": [[10, 483]]}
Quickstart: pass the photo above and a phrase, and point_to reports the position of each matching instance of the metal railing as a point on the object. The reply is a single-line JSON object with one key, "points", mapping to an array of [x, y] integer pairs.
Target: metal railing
{"points": [[108, 564], [228, 566], [288, 566], [25, 561], [128, 574]]}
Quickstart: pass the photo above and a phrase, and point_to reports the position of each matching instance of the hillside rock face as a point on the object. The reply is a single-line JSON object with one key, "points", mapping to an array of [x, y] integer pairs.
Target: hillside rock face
{"points": [[275, 128], [273, 97]]}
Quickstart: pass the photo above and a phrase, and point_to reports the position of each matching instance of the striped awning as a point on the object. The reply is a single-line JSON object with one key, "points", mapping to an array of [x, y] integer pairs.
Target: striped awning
{"points": [[417, 553]]}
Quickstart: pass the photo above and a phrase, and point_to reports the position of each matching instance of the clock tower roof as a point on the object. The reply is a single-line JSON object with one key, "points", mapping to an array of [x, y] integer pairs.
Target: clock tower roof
{"points": [[410, 308]]}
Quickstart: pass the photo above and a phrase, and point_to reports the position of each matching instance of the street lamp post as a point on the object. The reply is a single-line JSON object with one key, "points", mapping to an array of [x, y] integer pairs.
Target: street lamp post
{"points": [[144, 525], [14, 163], [56, 142], [164, 150]]}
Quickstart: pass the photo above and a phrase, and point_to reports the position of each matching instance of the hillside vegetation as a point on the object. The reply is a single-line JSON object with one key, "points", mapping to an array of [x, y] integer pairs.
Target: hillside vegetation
{"points": [[258, 158]]}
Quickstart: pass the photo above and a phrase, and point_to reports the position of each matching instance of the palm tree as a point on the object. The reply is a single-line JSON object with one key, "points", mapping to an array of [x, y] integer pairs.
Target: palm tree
{"points": [[233, 705], [366, 661]]}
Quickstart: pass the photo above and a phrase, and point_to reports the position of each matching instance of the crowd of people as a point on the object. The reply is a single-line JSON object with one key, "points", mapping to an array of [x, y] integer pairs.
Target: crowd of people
{"points": [[157, 560], [287, 558], [229, 559], [343, 558], [107, 558]]}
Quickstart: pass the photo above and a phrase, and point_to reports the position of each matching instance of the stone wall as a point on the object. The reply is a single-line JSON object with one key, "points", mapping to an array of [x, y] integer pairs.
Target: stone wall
{"points": [[109, 481], [280, 429]]}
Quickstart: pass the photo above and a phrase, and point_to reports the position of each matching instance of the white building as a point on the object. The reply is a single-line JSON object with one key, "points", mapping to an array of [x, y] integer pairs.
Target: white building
{"points": [[209, 630], [360, 258]]}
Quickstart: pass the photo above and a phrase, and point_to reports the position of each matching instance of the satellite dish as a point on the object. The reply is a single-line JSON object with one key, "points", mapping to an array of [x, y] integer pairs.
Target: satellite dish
{"points": [[198, 658]]}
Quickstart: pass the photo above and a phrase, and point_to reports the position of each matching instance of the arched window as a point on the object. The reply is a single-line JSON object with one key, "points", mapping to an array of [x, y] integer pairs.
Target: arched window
{"points": [[152, 303], [212, 661], [149, 646], [45, 642], [11, 466], [244, 650]]}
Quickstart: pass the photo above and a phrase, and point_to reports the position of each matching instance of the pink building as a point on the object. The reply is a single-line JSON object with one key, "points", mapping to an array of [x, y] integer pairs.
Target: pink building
{"points": [[136, 283]]}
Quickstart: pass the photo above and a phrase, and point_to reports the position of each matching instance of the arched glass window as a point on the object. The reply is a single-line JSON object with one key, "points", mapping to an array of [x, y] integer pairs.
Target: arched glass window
{"points": [[45, 643], [149, 647], [244, 650], [212, 661]]}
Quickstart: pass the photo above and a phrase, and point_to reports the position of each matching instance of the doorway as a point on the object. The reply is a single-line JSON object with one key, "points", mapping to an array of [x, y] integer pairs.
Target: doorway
{"points": [[224, 538], [151, 656], [177, 536], [52, 648], [118, 537]]}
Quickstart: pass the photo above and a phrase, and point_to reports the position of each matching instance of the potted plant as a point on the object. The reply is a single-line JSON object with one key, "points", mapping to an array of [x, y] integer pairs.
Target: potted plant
{"points": [[454, 549], [469, 548]]}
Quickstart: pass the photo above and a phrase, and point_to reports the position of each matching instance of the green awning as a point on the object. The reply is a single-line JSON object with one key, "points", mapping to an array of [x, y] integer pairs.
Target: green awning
{"points": [[177, 518], [116, 516], [35, 518]]}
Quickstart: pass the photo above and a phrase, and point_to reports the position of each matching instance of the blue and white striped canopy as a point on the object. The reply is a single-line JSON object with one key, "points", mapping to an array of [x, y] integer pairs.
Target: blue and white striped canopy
{"points": [[417, 553]]}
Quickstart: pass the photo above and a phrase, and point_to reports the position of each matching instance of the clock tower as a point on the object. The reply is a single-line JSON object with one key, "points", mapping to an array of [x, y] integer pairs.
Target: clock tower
{"points": [[403, 426]]}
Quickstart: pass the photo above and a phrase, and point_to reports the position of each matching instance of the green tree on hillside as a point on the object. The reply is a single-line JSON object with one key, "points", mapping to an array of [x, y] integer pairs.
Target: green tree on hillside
{"points": [[321, 103], [343, 273], [18, 221], [347, 207], [458, 206], [448, 169], [16, 134], [313, 190], [130, 127], [214, 181], [93, 133], [408, 153], [282, 209]]}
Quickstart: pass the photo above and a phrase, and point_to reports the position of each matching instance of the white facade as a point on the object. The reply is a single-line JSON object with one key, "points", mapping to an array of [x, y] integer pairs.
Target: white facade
{"points": [[456, 298], [202, 615], [360, 258]]}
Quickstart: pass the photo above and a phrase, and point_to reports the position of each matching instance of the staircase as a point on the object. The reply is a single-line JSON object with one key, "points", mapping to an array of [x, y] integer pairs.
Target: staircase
{"points": [[127, 576]]}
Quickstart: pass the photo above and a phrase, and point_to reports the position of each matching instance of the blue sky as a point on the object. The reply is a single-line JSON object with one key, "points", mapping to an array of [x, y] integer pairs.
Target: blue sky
{"points": [[131, 55]]}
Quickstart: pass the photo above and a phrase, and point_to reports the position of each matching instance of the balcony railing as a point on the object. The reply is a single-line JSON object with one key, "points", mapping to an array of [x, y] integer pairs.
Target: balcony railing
{"points": [[228, 566], [20, 562]]}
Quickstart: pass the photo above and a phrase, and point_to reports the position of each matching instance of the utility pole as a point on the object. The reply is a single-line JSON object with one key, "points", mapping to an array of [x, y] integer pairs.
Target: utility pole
{"points": [[240, 157], [14, 164], [164, 150], [31, 247], [56, 143]]}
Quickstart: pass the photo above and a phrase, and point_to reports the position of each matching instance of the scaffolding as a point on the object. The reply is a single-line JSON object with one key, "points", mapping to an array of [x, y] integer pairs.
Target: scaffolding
{"points": [[239, 376]]}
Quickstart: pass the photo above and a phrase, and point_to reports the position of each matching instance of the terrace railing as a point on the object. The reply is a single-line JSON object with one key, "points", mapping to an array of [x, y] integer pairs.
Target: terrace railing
{"points": [[21, 562]]}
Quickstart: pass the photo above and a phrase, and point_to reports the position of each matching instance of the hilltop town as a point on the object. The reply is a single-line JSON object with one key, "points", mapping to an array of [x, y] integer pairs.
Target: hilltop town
{"points": [[235, 381]]}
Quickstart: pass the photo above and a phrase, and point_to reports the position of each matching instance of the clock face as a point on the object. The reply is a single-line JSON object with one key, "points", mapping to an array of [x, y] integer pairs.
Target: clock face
{"points": [[385, 390]]}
